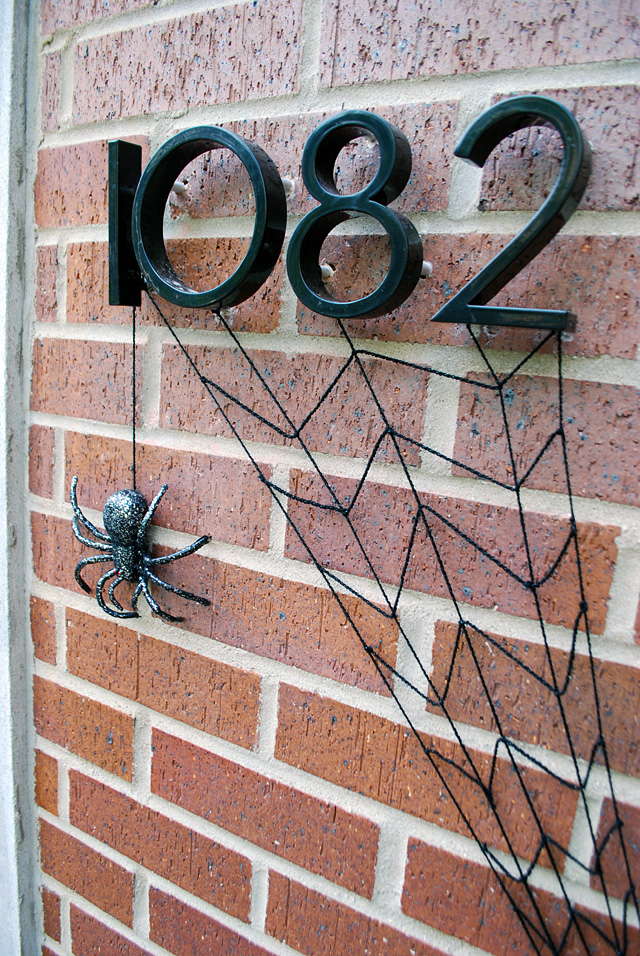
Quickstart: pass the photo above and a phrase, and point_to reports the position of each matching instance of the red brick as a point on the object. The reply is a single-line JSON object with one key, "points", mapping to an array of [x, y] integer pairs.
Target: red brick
{"points": [[47, 952], [46, 772], [85, 379], [465, 900], [56, 552], [314, 834], [51, 913], [206, 694], [89, 937], [384, 761], [213, 180], [186, 932], [51, 92], [176, 853], [46, 279], [519, 174], [595, 277], [383, 518], [527, 709], [101, 881], [316, 925], [364, 42], [230, 54], [71, 185], [302, 625], [41, 441], [43, 630], [88, 287], [219, 496], [601, 424], [62, 14], [347, 423], [636, 635], [85, 727], [612, 857]]}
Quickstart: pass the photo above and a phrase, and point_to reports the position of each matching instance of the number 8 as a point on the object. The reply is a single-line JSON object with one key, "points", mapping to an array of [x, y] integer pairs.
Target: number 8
{"points": [[318, 161]]}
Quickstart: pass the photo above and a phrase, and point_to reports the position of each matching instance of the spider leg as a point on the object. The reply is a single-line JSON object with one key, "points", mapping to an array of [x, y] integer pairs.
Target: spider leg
{"points": [[149, 515], [155, 607], [91, 544], [94, 559], [183, 552], [100, 599], [112, 588], [76, 510], [175, 590], [136, 595]]}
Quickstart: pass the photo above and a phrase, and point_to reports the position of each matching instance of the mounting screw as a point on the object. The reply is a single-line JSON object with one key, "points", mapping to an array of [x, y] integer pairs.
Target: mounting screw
{"points": [[289, 187], [427, 270], [179, 188], [326, 270]]}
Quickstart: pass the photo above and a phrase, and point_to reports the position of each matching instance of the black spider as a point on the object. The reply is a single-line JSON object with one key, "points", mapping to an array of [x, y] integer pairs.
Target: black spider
{"points": [[126, 519]]}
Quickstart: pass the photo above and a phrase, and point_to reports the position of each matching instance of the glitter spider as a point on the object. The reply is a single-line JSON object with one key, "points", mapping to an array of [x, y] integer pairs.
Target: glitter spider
{"points": [[126, 518]]}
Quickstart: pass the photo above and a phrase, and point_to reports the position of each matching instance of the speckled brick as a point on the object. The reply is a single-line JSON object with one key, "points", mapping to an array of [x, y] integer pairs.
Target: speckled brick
{"points": [[62, 14], [71, 185], [41, 441], [346, 423], [51, 92], [601, 423], [202, 262], [45, 951], [43, 629], [367, 41], [84, 726], [464, 899], [316, 925], [609, 842], [595, 277], [46, 297], [528, 709], [295, 623], [184, 931], [384, 761], [214, 697], [213, 179], [46, 789], [222, 497], [85, 379], [51, 913], [383, 519], [214, 873], [104, 883], [231, 53], [90, 937], [301, 625], [56, 553], [520, 172], [314, 834]]}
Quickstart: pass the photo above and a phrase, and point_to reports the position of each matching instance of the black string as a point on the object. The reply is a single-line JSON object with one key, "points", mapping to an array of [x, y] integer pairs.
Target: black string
{"points": [[133, 395], [514, 873]]}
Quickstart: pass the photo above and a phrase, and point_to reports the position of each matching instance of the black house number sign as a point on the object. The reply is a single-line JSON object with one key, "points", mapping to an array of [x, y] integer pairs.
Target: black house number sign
{"points": [[138, 258]]}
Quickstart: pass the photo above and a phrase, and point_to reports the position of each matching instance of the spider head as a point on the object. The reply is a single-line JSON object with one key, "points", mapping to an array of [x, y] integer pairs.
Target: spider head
{"points": [[122, 516]]}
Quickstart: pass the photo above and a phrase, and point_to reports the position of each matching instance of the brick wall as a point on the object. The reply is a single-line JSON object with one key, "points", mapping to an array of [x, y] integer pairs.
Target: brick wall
{"points": [[244, 783]]}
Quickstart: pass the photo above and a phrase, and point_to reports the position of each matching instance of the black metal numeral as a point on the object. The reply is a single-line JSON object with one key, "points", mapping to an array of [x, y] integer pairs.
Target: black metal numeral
{"points": [[148, 212], [318, 161], [468, 305]]}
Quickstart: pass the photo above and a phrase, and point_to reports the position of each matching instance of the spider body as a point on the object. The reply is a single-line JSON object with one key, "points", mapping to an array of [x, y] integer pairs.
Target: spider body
{"points": [[127, 518]]}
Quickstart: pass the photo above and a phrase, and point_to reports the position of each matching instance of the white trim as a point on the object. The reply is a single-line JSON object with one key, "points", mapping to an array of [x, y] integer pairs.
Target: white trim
{"points": [[17, 833]]}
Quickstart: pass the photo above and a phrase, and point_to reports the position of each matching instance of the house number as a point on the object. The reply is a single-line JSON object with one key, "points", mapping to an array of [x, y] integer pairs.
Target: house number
{"points": [[137, 200]]}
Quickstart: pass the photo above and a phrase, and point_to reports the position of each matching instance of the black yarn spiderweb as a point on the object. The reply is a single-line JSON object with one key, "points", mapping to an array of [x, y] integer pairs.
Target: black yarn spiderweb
{"points": [[549, 884]]}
